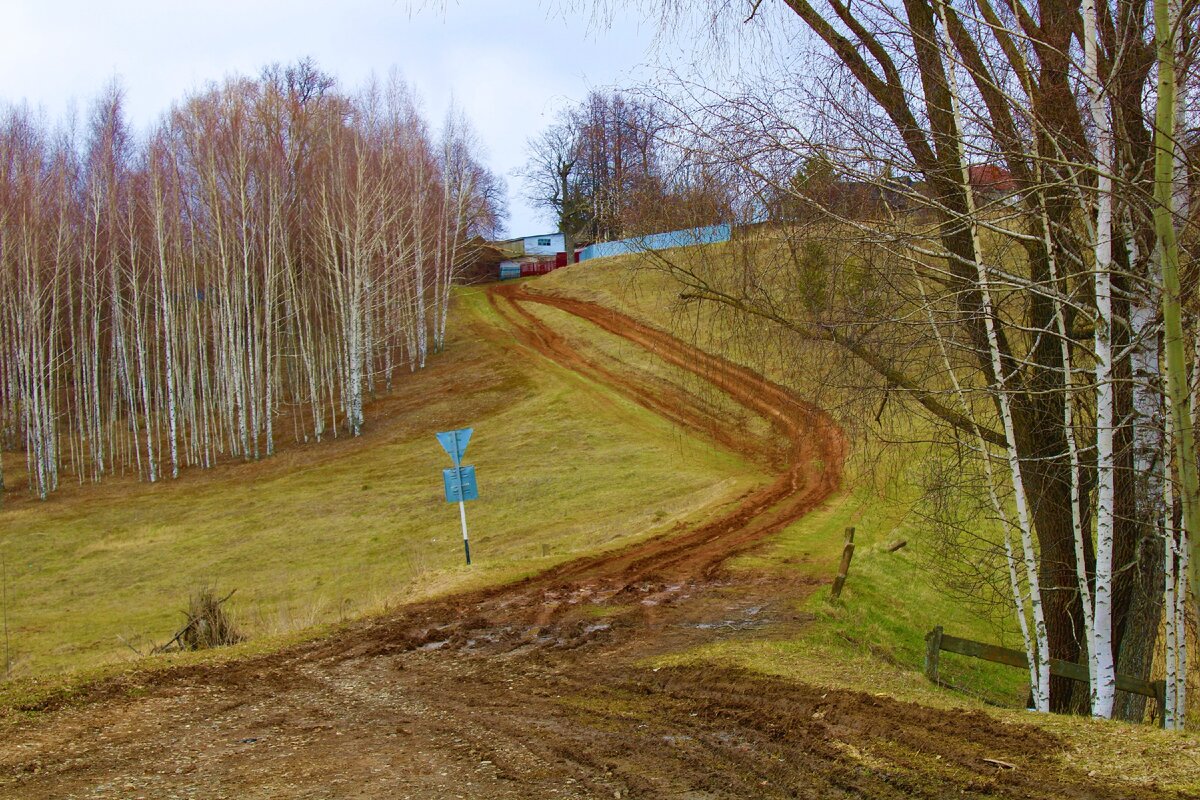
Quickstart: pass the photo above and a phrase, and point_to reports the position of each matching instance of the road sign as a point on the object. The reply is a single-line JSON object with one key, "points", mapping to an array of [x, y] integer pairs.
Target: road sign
{"points": [[460, 484], [459, 480], [455, 443]]}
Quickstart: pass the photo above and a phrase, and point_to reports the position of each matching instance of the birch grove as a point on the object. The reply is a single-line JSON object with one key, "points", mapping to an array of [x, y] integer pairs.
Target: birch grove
{"points": [[1001, 200], [272, 254]]}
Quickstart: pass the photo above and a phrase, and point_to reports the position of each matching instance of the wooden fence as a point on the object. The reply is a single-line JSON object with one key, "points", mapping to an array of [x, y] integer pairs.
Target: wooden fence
{"points": [[936, 641]]}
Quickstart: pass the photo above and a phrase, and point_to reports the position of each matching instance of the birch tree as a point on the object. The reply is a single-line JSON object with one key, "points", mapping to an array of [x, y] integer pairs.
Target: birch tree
{"points": [[1045, 289]]}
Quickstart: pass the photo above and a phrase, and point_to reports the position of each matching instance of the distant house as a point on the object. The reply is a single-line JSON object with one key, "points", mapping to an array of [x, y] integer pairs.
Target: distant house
{"points": [[533, 255], [990, 179], [543, 244], [546, 244]]}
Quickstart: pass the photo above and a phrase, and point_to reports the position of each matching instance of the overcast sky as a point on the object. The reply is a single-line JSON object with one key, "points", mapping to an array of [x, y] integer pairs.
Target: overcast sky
{"points": [[510, 64]]}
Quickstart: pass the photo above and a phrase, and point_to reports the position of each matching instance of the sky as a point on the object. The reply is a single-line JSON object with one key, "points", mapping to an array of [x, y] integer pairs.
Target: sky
{"points": [[510, 65]]}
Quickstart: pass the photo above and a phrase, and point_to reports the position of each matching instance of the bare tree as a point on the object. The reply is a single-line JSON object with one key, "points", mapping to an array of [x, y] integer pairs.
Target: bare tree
{"points": [[966, 183]]}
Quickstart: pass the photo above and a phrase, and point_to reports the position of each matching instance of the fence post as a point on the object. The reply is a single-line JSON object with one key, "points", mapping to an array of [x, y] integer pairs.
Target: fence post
{"points": [[1160, 695], [933, 649], [844, 569]]}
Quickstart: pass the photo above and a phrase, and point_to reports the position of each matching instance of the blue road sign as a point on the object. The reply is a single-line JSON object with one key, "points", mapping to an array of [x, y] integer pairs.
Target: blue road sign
{"points": [[460, 484], [455, 443], [459, 480]]}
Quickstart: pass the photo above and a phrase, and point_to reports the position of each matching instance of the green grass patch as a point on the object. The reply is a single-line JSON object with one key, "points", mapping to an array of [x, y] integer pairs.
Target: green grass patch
{"points": [[872, 637], [326, 532]]}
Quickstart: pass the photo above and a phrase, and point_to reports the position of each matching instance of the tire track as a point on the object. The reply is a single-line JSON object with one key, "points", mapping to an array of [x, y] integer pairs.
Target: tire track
{"points": [[816, 449]]}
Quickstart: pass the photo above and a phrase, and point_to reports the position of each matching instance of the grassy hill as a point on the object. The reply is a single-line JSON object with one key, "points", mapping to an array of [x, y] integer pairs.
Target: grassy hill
{"points": [[874, 636], [567, 466], [872, 639], [323, 532]]}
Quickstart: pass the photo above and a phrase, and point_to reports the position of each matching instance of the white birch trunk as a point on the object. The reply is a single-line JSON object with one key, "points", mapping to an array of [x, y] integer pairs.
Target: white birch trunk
{"points": [[1104, 683], [1180, 613], [1171, 709], [1041, 689], [1081, 576], [168, 329], [985, 454]]}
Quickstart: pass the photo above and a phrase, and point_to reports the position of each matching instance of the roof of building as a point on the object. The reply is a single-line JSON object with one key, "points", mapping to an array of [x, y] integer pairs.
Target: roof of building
{"points": [[516, 239], [991, 176]]}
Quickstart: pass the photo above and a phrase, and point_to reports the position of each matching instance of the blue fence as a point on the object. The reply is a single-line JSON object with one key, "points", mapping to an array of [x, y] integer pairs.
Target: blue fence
{"points": [[658, 241]]}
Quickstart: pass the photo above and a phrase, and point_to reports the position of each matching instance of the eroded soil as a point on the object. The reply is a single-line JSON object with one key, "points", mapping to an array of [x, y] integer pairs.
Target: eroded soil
{"points": [[539, 689]]}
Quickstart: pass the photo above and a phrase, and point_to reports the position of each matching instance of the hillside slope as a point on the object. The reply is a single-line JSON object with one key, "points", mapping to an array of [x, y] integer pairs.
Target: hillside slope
{"points": [[324, 532], [588, 679]]}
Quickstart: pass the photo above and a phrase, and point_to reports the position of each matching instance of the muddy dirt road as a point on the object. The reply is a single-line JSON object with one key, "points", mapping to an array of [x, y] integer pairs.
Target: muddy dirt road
{"points": [[537, 690]]}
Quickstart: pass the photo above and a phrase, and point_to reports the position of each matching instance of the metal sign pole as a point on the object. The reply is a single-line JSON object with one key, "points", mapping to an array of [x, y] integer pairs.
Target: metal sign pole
{"points": [[462, 506], [462, 512]]}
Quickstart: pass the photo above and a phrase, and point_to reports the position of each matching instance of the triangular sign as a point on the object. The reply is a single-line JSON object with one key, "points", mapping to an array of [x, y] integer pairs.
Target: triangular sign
{"points": [[455, 442]]}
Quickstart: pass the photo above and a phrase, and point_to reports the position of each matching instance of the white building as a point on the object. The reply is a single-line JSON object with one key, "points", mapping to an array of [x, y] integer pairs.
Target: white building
{"points": [[546, 244]]}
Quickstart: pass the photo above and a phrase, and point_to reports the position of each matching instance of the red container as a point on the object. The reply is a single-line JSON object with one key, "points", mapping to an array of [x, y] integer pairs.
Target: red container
{"points": [[536, 268], [560, 260]]}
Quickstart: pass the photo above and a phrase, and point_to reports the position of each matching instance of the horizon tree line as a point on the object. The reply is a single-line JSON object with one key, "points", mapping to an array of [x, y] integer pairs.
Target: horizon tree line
{"points": [[603, 171]]}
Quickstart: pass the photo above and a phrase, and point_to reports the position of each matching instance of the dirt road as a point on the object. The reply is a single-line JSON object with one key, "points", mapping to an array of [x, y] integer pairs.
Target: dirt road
{"points": [[538, 690]]}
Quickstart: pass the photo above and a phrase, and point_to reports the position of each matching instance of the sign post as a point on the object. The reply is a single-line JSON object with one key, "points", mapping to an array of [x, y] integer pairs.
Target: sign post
{"points": [[459, 480], [462, 515]]}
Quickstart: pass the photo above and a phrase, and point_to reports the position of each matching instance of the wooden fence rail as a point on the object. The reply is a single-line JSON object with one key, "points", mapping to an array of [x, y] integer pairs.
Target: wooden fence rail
{"points": [[936, 641]]}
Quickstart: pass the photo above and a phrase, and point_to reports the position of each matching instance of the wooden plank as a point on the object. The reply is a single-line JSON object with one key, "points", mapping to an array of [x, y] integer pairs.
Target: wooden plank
{"points": [[988, 652], [1126, 683], [1058, 667], [1068, 669]]}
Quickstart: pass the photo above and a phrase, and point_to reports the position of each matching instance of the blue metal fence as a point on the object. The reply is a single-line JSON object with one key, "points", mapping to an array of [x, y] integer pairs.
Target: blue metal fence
{"points": [[658, 241]]}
